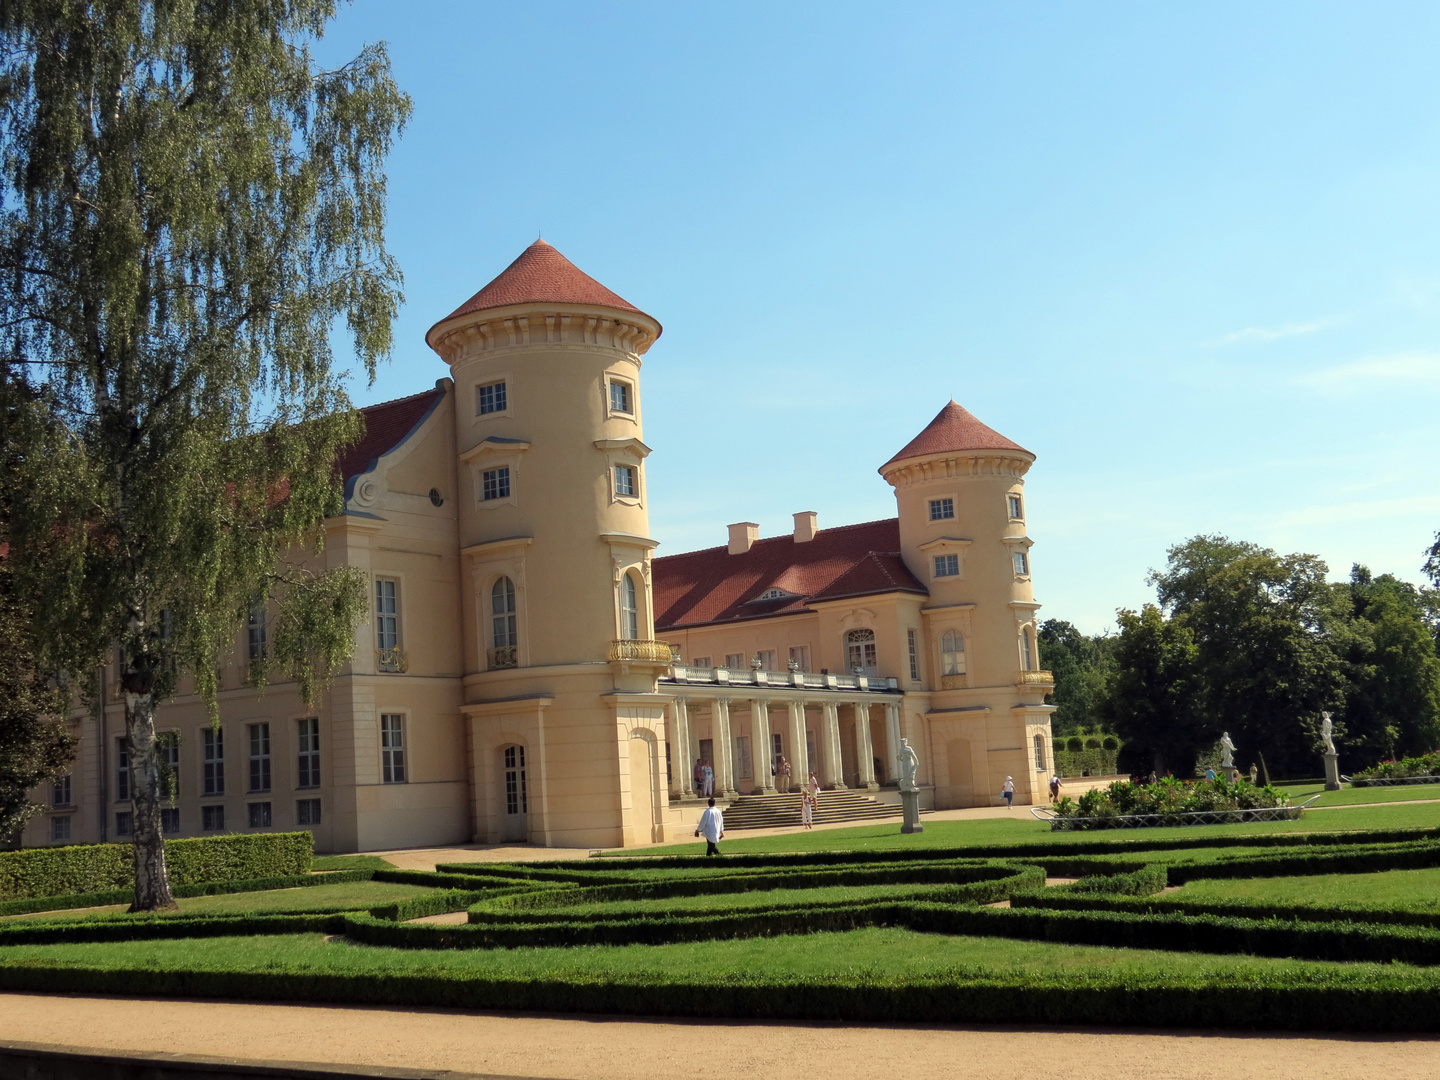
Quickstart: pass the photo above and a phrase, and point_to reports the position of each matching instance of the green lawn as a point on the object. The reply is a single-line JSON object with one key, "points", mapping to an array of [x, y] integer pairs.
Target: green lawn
{"points": [[1415, 890], [1353, 796], [350, 862], [871, 955], [354, 894], [827, 895]]}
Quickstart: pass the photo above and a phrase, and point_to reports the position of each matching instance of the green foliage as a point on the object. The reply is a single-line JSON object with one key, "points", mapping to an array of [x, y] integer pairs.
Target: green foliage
{"points": [[1421, 765], [85, 868], [325, 863], [205, 888], [1081, 664], [1087, 753], [1152, 699], [1101, 808]]}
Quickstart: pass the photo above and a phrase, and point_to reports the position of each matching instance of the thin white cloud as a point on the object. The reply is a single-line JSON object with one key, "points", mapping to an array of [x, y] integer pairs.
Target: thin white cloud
{"points": [[1275, 333], [1422, 368]]}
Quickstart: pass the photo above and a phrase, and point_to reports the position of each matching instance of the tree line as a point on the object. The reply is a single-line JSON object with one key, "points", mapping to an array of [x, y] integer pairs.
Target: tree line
{"points": [[1244, 639]]}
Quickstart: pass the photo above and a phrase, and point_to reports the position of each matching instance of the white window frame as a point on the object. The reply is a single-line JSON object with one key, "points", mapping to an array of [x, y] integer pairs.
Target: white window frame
{"points": [[387, 623], [946, 545], [1015, 504], [868, 649], [632, 394], [1038, 741], [631, 621], [256, 633], [393, 766], [60, 830], [945, 504], [912, 644], [946, 564], [504, 619], [952, 652], [734, 661], [801, 655], [495, 380], [497, 477], [260, 758], [1029, 654], [700, 661], [307, 752], [212, 762], [766, 658], [493, 453], [1021, 559], [61, 791], [624, 476]]}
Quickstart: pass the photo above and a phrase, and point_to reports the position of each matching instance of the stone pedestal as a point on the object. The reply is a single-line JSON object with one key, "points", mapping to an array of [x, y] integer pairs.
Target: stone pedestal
{"points": [[910, 803], [1332, 773]]}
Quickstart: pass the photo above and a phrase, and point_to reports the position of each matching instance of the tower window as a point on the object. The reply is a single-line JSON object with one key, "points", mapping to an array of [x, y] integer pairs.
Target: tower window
{"points": [[490, 398], [952, 653], [495, 484], [503, 635], [629, 609], [1022, 564], [620, 396], [942, 509], [947, 565], [1017, 508], [1027, 650], [625, 480]]}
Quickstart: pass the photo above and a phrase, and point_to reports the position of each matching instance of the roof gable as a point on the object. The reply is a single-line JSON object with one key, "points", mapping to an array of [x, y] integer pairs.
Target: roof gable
{"points": [[954, 430], [386, 426]]}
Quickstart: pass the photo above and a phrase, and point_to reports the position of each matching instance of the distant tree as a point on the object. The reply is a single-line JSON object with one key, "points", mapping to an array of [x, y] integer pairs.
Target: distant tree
{"points": [[1081, 664], [1392, 696], [189, 206], [1262, 623], [1152, 698]]}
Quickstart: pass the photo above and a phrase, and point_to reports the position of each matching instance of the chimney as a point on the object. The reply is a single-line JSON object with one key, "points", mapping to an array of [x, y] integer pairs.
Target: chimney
{"points": [[742, 535], [805, 527]]}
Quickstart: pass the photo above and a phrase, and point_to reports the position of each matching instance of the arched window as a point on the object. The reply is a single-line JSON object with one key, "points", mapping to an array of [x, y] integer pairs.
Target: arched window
{"points": [[629, 609], [1039, 754], [1027, 650], [503, 636], [952, 653], [860, 651]]}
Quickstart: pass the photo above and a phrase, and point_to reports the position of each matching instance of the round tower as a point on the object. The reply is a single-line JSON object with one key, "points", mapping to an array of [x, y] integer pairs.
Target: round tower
{"points": [[960, 490]]}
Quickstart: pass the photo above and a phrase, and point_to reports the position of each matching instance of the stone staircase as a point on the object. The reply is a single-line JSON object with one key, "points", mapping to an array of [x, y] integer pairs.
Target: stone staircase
{"points": [[778, 811]]}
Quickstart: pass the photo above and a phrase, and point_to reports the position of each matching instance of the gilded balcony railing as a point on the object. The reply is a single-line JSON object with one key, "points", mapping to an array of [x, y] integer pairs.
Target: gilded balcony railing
{"points": [[395, 661], [954, 682], [505, 656], [657, 652], [1037, 678]]}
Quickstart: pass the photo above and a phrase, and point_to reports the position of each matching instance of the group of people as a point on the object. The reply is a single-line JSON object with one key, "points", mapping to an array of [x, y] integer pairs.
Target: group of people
{"points": [[712, 819], [704, 777]]}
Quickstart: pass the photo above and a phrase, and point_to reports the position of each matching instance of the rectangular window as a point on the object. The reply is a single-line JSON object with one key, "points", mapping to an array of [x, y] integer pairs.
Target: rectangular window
{"points": [[387, 614], [307, 811], [735, 660], [942, 509], [212, 745], [914, 655], [700, 661], [800, 657], [624, 480], [1017, 509], [309, 743], [779, 751], [743, 766], [122, 771], [767, 659], [619, 396], [255, 632], [392, 748], [495, 484], [60, 791], [125, 824], [490, 398], [259, 758], [167, 743], [170, 820], [60, 828], [947, 565], [1022, 564], [212, 818], [259, 815]]}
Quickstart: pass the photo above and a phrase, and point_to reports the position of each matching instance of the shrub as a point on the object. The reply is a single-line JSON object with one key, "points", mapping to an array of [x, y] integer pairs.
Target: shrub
{"points": [[1075, 744], [85, 868], [1168, 799], [1424, 765]]}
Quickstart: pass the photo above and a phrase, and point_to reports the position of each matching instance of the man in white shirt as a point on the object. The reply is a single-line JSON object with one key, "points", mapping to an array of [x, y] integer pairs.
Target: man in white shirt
{"points": [[712, 828]]}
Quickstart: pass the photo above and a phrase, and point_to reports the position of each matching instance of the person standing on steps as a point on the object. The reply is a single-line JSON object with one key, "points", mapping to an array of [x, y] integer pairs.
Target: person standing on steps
{"points": [[707, 780], [1009, 791], [712, 828], [815, 788], [782, 777], [698, 775], [807, 808]]}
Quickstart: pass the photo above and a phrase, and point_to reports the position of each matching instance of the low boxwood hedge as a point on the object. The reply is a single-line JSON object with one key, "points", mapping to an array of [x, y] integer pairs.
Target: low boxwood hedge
{"points": [[88, 868], [206, 888]]}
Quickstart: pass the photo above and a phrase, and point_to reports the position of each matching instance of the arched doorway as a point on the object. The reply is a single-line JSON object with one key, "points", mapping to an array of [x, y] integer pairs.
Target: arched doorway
{"points": [[515, 821], [644, 799]]}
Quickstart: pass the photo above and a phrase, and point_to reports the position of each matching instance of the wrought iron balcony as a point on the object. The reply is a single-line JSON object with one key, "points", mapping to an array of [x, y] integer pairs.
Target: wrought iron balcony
{"points": [[655, 652], [506, 656], [394, 661]]}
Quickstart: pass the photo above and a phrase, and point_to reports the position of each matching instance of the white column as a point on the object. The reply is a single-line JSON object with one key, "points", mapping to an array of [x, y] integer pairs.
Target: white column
{"points": [[892, 733], [760, 738], [800, 759], [864, 749], [680, 761], [724, 749], [834, 774]]}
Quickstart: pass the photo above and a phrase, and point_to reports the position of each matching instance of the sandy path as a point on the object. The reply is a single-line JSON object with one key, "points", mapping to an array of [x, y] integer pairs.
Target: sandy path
{"points": [[597, 1048]]}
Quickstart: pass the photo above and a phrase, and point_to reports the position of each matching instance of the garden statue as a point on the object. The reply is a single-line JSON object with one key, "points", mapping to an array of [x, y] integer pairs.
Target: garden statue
{"points": [[1332, 760], [909, 763], [1227, 751]]}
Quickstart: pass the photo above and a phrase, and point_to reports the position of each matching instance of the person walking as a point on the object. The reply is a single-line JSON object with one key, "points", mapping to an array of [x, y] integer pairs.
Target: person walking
{"points": [[712, 828], [707, 780], [782, 780], [807, 809], [815, 788], [1055, 786], [1009, 791]]}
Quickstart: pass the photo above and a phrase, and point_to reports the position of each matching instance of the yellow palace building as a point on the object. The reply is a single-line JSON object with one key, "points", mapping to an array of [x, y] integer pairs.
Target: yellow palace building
{"points": [[531, 670]]}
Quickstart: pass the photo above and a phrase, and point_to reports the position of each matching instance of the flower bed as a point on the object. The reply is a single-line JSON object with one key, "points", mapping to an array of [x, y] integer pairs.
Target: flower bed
{"points": [[1124, 805], [1424, 769]]}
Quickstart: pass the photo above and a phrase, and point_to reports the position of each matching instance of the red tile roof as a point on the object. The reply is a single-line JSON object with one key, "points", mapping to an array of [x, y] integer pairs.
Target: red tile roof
{"points": [[541, 275], [386, 426], [954, 429], [710, 586]]}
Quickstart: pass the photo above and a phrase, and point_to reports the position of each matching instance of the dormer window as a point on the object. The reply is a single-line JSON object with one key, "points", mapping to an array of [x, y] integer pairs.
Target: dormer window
{"points": [[771, 594], [1017, 508], [942, 509]]}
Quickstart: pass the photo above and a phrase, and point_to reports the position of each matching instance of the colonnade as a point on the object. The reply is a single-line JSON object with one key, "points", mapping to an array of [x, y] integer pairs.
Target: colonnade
{"points": [[682, 728]]}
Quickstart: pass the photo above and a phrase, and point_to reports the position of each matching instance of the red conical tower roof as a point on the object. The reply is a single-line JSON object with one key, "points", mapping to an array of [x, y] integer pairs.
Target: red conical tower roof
{"points": [[541, 275], [954, 430]]}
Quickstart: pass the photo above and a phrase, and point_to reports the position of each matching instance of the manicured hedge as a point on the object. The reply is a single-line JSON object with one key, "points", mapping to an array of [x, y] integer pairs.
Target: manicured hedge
{"points": [[1058, 900], [1361, 859], [209, 888], [85, 868]]}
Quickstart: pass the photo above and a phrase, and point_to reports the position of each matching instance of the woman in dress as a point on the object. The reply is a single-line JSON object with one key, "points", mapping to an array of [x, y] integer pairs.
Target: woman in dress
{"points": [[807, 809]]}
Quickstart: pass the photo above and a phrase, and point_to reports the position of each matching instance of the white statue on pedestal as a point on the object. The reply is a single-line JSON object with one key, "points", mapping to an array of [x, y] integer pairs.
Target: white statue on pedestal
{"points": [[909, 765], [1327, 733], [1227, 751]]}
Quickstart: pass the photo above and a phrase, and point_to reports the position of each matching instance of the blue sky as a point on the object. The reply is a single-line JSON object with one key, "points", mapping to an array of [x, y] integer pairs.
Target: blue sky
{"points": [[1188, 255]]}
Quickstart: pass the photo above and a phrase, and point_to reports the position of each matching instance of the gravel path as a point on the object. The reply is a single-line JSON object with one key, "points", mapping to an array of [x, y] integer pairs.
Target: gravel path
{"points": [[598, 1048]]}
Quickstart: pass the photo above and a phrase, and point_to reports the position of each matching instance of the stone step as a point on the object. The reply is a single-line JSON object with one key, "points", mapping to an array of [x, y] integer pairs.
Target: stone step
{"points": [[777, 811]]}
